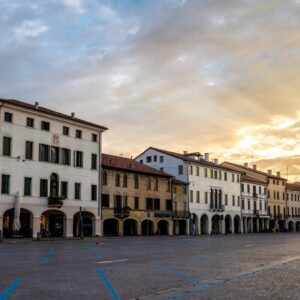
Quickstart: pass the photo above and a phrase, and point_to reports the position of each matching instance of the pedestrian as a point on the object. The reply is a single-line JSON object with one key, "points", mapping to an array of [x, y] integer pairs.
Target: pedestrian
{"points": [[194, 229]]}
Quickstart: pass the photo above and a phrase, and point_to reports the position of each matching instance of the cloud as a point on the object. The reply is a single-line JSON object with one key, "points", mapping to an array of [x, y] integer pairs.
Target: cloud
{"points": [[75, 4], [30, 29]]}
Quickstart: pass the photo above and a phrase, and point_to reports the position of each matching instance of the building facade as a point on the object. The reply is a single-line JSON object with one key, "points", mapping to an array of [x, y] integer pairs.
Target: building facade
{"points": [[50, 172], [140, 200], [293, 207], [214, 191]]}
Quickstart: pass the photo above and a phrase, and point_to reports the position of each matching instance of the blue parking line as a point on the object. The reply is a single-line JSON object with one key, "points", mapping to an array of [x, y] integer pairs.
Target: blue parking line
{"points": [[180, 275], [7, 293], [51, 253], [111, 289]]}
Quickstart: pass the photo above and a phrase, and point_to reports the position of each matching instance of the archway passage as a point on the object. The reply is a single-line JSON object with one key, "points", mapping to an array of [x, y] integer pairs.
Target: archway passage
{"points": [[130, 227], [291, 226], [228, 224], [147, 227], [53, 223], [204, 224], [111, 227], [87, 225], [26, 221], [163, 227], [215, 226], [298, 226], [237, 224]]}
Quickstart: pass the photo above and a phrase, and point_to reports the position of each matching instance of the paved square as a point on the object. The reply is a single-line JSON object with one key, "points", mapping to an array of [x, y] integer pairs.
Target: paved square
{"points": [[219, 267]]}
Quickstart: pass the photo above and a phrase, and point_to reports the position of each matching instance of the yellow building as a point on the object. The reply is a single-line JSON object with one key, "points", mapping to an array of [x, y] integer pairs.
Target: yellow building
{"points": [[140, 200]]}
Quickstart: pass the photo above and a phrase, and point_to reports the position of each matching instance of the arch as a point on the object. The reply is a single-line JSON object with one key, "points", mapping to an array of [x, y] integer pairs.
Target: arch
{"points": [[194, 224], [130, 227], [204, 224], [111, 227], [228, 224], [163, 227], [215, 224], [236, 221], [54, 185], [26, 222], [53, 223], [147, 227], [86, 225], [297, 226], [291, 226]]}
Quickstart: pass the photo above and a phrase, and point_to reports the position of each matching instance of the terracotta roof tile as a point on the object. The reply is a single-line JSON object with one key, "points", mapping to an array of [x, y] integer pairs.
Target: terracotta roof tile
{"points": [[293, 187]]}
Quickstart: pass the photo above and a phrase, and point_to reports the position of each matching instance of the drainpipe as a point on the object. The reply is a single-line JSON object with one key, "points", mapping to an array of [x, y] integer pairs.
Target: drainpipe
{"points": [[172, 197], [100, 183]]}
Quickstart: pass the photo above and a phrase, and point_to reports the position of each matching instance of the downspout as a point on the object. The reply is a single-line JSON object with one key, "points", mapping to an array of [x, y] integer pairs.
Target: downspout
{"points": [[173, 204], [100, 183]]}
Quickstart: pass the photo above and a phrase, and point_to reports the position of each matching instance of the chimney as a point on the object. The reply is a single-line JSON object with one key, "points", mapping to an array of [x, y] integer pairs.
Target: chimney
{"points": [[269, 172], [278, 174], [206, 156], [200, 156], [254, 167], [72, 115], [246, 165], [36, 105], [184, 152], [216, 161]]}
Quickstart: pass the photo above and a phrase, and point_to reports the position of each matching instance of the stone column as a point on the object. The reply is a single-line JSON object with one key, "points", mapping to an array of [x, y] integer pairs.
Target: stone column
{"points": [[251, 225], [121, 231], [139, 228], [223, 226], [98, 227], [36, 226], [245, 226], [69, 227], [171, 230], [209, 225], [187, 227], [242, 225]]}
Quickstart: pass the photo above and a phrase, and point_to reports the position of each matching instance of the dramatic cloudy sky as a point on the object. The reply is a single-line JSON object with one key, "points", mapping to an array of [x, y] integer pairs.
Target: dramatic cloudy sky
{"points": [[198, 75]]}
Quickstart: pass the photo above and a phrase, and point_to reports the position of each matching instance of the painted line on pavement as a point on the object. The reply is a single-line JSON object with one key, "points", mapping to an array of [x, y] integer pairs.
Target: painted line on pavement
{"points": [[111, 261], [7, 293], [111, 289], [51, 253]]}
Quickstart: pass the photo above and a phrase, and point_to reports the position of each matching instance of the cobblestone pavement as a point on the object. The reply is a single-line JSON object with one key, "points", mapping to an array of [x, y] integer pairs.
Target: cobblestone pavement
{"points": [[257, 266]]}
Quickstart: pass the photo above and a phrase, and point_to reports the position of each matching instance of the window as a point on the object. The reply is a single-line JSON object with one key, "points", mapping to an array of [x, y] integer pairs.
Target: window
{"points": [[205, 172], [78, 134], [243, 204], [54, 187], [104, 180], [155, 158], [168, 186], [197, 171], [169, 205], [149, 203], [206, 197], [43, 188], [237, 178], [30, 122], [161, 169], [242, 187], [156, 184], [125, 181], [66, 130], [64, 189], [248, 188], [94, 161], [105, 200], [191, 196], [157, 204], [149, 159], [180, 170], [94, 192], [94, 137], [77, 191], [29, 150], [216, 174], [5, 182], [198, 197], [8, 117], [149, 184], [226, 199], [232, 177], [65, 156], [136, 202], [54, 155], [161, 159], [249, 205], [220, 175], [233, 200], [27, 186], [238, 201], [191, 170], [6, 146], [78, 159], [211, 174], [136, 181], [117, 179], [225, 176], [45, 126], [44, 152]]}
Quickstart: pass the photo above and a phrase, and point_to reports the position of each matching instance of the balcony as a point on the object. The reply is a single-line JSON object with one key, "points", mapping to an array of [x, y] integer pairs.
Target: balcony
{"points": [[255, 195], [122, 212], [55, 202], [256, 212], [217, 208], [181, 215]]}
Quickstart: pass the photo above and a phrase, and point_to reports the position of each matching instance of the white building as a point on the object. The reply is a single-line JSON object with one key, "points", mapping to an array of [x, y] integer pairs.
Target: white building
{"points": [[293, 207], [214, 191], [49, 169]]}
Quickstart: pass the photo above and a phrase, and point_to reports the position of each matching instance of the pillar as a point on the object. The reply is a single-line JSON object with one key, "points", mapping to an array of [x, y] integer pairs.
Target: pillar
{"points": [[139, 228], [209, 225], [245, 226], [223, 226], [121, 226], [171, 228], [36, 226], [241, 225], [98, 227], [257, 225], [187, 230], [69, 227], [251, 225]]}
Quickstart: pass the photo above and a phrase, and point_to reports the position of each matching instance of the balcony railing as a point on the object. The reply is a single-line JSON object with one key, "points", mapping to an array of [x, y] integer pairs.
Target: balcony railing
{"points": [[122, 212], [217, 208], [255, 195], [181, 214], [56, 202], [256, 212]]}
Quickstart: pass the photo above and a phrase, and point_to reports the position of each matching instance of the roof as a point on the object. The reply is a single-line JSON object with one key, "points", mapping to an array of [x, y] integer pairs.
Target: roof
{"points": [[255, 171], [248, 178], [184, 157], [49, 112], [129, 165], [293, 186]]}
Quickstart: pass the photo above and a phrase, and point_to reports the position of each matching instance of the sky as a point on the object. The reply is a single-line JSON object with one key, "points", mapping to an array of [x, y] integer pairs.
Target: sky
{"points": [[221, 77]]}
